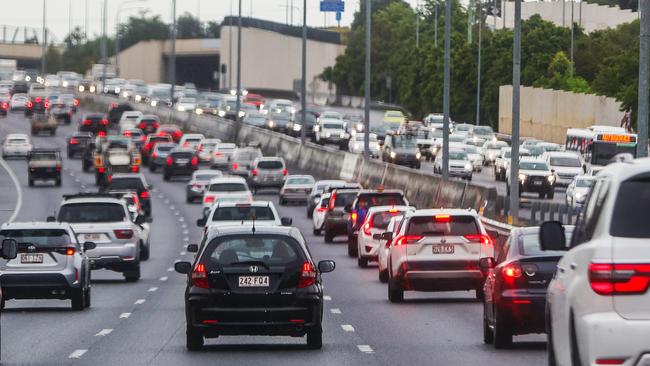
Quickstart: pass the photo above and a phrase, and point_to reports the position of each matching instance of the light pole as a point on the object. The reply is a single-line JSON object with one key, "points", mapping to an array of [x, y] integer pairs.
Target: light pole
{"points": [[44, 41], [366, 107], [172, 58], [238, 93], [303, 83], [117, 30], [571, 48], [514, 154], [445, 95], [230, 49], [644, 61], [103, 45], [478, 65]]}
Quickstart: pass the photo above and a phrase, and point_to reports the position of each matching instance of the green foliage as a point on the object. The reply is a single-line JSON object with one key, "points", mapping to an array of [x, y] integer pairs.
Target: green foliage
{"points": [[142, 28], [560, 76], [189, 27], [53, 58]]}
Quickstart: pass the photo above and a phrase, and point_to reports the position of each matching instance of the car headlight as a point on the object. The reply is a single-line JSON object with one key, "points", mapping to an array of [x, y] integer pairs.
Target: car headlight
{"points": [[117, 90], [297, 127], [468, 167], [221, 113], [92, 88], [580, 197], [550, 179], [180, 108], [154, 103], [198, 111], [138, 97], [241, 114], [359, 127], [125, 94], [65, 84], [392, 155], [293, 110], [105, 89], [81, 88], [271, 124], [418, 155], [327, 134], [342, 135], [28, 78], [522, 177]]}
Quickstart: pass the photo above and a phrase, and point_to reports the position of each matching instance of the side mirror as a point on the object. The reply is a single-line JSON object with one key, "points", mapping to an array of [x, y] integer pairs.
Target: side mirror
{"points": [[493, 234], [584, 168], [376, 237], [348, 207], [9, 249], [89, 245], [183, 267], [286, 221], [50, 219], [486, 263], [552, 170], [326, 266], [148, 219], [193, 248], [201, 222], [140, 219], [551, 236], [388, 235]]}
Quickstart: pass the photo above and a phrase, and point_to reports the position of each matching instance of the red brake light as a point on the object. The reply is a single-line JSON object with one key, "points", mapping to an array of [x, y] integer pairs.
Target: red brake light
{"points": [[38, 100], [123, 234], [154, 155], [511, 271], [74, 141], [217, 154], [144, 195], [285, 172], [69, 251], [75, 102], [156, 125], [101, 133], [307, 276], [104, 122], [135, 168], [5, 105], [254, 172], [86, 122], [609, 279], [170, 161], [101, 169], [195, 160], [47, 105], [200, 276], [332, 200], [442, 218], [479, 238], [127, 133], [30, 104], [235, 166], [367, 226], [148, 146], [321, 209], [208, 199], [408, 239], [610, 361], [200, 148]]}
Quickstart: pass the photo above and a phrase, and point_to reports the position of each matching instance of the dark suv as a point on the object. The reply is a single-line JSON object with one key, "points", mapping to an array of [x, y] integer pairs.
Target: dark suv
{"points": [[149, 123], [253, 281], [77, 143], [94, 123], [336, 219], [133, 182], [180, 161], [36, 104]]}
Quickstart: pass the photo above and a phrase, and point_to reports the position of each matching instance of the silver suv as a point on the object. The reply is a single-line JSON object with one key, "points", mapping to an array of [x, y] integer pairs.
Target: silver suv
{"points": [[51, 264], [268, 172], [104, 219]]}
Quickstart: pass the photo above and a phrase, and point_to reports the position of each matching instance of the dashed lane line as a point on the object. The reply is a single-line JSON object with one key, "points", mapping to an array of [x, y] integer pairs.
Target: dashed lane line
{"points": [[78, 353], [19, 191], [152, 289], [347, 327], [365, 348], [335, 311], [139, 301], [104, 332], [125, 315]]}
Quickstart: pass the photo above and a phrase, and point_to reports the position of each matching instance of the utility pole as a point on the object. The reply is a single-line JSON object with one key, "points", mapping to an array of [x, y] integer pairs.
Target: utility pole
{"points": [[303, 82], [514, 154], [644, 61], [494, 15], [238, 94], [445, 95], [44, 41], [86, 21], [478, 66], [366, 127], [230, 49], [172, 58], [103, 46], [69, 17], [435, 26], [417, 24], [571, 48]]}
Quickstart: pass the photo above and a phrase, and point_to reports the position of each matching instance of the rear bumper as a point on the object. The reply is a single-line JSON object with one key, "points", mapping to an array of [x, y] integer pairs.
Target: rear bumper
{"points": [[44, 174], [113, 256], [368, 248], [524, 312], [188, 170], [15, 151], [38, 285], [449, 280], [302, 197], [267, 183], [336, 226]]}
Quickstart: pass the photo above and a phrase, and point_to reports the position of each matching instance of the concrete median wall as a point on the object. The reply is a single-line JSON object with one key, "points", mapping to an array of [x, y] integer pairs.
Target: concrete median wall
{"points": [[422, 189]]}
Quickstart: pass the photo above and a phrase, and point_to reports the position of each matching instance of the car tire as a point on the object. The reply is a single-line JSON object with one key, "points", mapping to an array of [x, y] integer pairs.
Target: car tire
{"points": [[152, 168], [550, 349], [132, 275], [488, 336], [316, 232], [282, 201], [550, 195], [502, 333], [58, 182], [31, 182], [193, 339], [188, 199], [78, 299], [88, 298], [383, 276], [328, 237], [144, 252], [352, 249], [166, 177], [315, 338], [362, 262], [395, 292], [2, 304]]}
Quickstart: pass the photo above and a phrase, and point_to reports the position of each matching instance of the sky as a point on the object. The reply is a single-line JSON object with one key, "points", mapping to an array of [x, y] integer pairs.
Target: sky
{"points": [[60, 14]]}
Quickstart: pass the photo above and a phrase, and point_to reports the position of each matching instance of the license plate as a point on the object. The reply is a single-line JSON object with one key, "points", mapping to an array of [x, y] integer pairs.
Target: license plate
{"points": [[91, 237], [537, 183], [31, 258], [443, 249], [253, 281], [182, 161]]}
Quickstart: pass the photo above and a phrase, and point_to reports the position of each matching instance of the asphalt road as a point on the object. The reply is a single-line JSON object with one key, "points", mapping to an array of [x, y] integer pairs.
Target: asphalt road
{"points": [[143, 323]]}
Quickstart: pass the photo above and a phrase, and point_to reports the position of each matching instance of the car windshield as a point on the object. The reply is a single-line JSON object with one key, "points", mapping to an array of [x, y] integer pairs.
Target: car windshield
{"points": [[16, 140], [382, 199], [566, 162], [126, 183], [41, 238], [528, 245], [533, 165], [333, 126], [245, 250], [456, 138], [206, 177], [585, 183], [42, 156], [629, 219], [457, 155], [300, 180], [91, 212], [270, 164], [228, 187], [550, 147], [405, 142], [443, 225], [244, 212], [461, 128], [164, 148]]}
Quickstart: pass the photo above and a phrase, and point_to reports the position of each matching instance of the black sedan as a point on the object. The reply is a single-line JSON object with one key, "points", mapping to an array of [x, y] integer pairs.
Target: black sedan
{"points": [[94, 123], [77, 143], [180, 161], [250, 280], [515, 287]]}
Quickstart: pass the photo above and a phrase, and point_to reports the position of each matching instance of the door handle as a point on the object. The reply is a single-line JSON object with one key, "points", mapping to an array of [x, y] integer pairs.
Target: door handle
{"points": [[573, 266], [560, 269]]}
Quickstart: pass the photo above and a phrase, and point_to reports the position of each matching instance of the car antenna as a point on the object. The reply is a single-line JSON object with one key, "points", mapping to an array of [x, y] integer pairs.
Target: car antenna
{"points": [[253, 229]]}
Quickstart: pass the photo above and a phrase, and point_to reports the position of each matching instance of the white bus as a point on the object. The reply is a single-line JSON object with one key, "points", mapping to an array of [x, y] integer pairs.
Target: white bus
{"points": [[599, 144]]}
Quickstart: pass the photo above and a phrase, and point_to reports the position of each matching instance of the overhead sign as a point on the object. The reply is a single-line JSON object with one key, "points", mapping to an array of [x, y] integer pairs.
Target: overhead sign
{"points": [[336, 6]]}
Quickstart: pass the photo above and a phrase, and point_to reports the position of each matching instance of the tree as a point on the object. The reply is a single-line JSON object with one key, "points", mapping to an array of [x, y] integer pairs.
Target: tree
{"points": [[54, 62], [189, 27], [141, 28], [212, 29], [560, 76]]}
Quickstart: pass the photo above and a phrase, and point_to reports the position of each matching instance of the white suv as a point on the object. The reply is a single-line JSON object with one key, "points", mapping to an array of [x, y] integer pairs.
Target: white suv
{"points": [[374, 225], [598, 304], [226, 189], [438, 250]]}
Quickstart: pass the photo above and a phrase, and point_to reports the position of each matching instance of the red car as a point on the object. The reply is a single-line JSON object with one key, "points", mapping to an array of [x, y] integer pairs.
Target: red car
{"points": [[150, 142], [172, 130], [254, 99]]}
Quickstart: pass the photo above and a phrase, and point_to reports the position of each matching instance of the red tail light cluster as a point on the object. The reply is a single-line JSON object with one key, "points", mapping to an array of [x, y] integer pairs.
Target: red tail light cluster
{"points": [[123, 234], [511, 271], [254, 172], [285, 172], [368, 225], [75, 102], [200, 276], [307, 276], [5, 105], [610, 279], [30, 104], [408, 239], [479, 238], [332, 200], [144, 195], [101, 133], [104, 122], [135, 169], [195, 160], [154, 155], [74, 141], [47, 105], [208, 199], [86, 122], [170, 161], [69, 251]]}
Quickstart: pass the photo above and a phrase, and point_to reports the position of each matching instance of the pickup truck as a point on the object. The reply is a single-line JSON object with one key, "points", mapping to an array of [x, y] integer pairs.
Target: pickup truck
{"points": [[44, 164], [44, 122]]}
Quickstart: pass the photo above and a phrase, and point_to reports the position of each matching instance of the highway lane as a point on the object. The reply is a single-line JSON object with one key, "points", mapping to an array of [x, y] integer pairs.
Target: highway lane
{"points": [[444, 327]]}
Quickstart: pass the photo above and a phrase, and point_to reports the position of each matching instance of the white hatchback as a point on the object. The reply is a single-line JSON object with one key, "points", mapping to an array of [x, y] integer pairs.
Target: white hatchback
{"points": [[320, 211], [374, 225], [226, 189], [384, 247]]}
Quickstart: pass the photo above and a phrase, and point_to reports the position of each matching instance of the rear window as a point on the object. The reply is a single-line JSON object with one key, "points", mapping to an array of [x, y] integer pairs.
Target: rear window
{"points": [[159, 138], [182, 155], [529, 245], [269, 250], [228, 187], [302, 180], [344, 199], [380, 220], [273, 164], [239, 213], [39, 237], [164, 148], [382, 199], [91, 212], [630, 219], [39, 156], [454, 226], [126, 183]]}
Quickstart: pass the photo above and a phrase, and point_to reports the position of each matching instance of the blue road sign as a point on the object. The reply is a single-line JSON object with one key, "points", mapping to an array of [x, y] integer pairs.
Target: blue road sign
{"points": [[337, 6], [338, 16]]}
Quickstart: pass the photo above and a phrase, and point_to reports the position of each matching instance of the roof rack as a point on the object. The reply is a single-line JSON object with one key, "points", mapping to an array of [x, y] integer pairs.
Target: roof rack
{"points": [[93, 195]]}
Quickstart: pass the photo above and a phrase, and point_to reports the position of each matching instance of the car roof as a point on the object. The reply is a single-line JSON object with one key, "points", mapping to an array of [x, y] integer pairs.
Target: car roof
{"points": [[241, 204], [386, 208], [207, 171], [530, 159], [442, 211], [270, 158], [568, 154], [227, 179], [90, 199], [247, 228], [299, 176], [193, 135], [35, 225]]}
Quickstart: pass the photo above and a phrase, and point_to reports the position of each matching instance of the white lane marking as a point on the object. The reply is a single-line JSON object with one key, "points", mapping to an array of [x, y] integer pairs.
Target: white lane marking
{"points": [[154, 190], [347, 327], [160, 195], [184, 226], [139, 301], [77, 180], [327, 298], [78, 353], [103, 332], [172, 207], [83, 186], [125, 315], [176, 213], [166, 201], [181, 219], [71, 174], [185, 245], [19, 198], [365, 348], [170, 269], [164, 278], [186, 232], [335, 311], [183, 253], [186, 239], [152, 289]]}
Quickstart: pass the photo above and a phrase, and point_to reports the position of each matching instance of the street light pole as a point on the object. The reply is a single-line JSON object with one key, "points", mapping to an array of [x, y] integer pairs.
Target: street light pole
{"points": [[478, 65], [172, 58], [117, 31], [303, 83], [44, 40], [366, 107], [514, 154], [644, 61], [239, 94], [445, 95], [571, 50], [103, 46]]}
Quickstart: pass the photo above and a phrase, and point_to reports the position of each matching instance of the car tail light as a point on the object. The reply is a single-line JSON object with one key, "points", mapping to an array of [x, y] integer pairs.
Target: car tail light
{"points": [[47, 105], [177, 134], [307, 276], [200, 148], [135, 168], [113, 105], [195, 160], [408, 239], [610, 361], [170, 161], [148, 146], [285, 172], [75, 102], [110, 178], [144, 195], [208, 199], [101, 134], [74, 141], [143, 138], [128, 133], [442, 218], [69, 251], [30, 104], [235, 166], [254, 172], [332, 200], [154, 155], [156, 125], [123, 234], [354, 216], [322, 209], [186, 144], [511, 271], [217, 154], [58, 168], [367, 226], [200, 276], [479, 238], [104, 122], [101, 169], [609, 279], [5, 105]]}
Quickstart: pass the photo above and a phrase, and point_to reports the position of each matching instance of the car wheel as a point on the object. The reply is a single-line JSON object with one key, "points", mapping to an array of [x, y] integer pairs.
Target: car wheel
{"points": [[502, 332], [362, 262], [78, 299], [152, 168], [383, 276], [87, 294], [132, 275], [193, 339], [144, 252], [31, 182], [282, 201], [542, 194], [315, 338], [328, 237], [352, 249], [395, 292], [58, 182], [166, 177], [488, 336], [316, 232], [310, 213], [550, 195], [188, 199]]}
